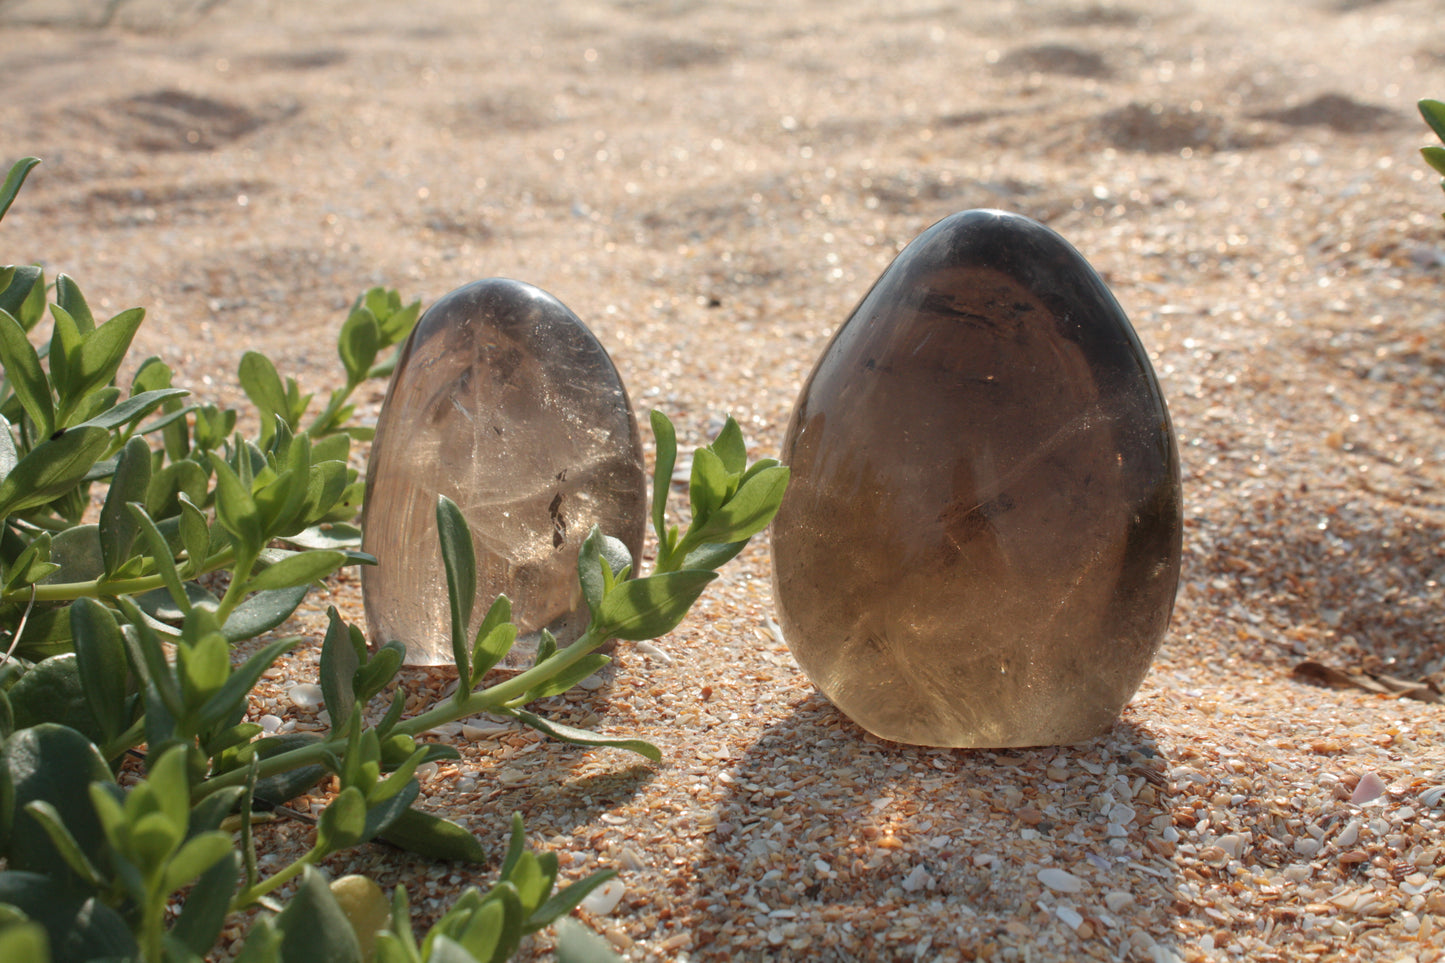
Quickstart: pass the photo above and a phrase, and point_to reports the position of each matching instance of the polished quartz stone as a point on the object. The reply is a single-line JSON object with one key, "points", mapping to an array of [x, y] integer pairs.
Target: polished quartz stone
{"points": [[980, 543], [503, 401]]}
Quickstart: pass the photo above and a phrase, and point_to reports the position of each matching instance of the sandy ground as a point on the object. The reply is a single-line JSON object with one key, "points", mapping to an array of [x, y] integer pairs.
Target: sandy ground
{"points": [[711, 186]]}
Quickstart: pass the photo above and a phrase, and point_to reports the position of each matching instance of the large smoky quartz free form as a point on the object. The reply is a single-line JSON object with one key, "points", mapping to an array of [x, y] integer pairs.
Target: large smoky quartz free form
{"points": [[980, 542], [503, 401]]}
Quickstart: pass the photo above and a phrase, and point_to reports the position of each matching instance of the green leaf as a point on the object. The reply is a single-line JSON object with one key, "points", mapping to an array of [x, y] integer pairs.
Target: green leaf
{"points": [[382, 812], [532, 880], [203, 667], [343, 823], [730, 447], [199, 925], [196, 856], [708, 488], [24, 941], [236, 510], [31, 565], [182, 477], [749, 510], [118, 529], [432, 836], [77, 551], [379, 670], [262, 612], [195, 536], [546, 647], [583, 737], [646, 608], [79, 926], [263, 386], [51, 469], [68, 296], [666, 437], [713, 557], [100, 353], [263, 943], [160, 557], [232, 696], [358, 343], [152, 663], [304, 568], [495, 637], [27, 378], [54, 764], [569, 676], [131, 410], [460, 561], [23, 295], [566, 899], [478, 939], [333, 535], [1435, 157], [48, 817], [286, 785], [16, 177], [101, 666], [1434, 113], [51, 692], [64, 357], [577, 944], [9, 456], [339, 663], [17, 284], [313, 927], [168, 784]]}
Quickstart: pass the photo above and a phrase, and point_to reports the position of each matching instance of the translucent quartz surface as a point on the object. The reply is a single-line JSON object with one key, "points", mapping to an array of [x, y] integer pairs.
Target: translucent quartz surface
{"points": [[980, 543], [504, 402]]}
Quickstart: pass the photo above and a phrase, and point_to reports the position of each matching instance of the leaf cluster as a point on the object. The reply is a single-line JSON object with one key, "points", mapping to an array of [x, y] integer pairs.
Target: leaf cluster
{"points": [[1434, 113], [118, 632]]}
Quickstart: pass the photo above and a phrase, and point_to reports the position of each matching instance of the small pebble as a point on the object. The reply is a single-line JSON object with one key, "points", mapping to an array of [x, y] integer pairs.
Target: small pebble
{"points": [[653, 652], [1069, 917], [475, 732], [604, 899], [917, 880], [1117, 900], [1060, 880], [269, 723], [305, 695], [1370, 788]]}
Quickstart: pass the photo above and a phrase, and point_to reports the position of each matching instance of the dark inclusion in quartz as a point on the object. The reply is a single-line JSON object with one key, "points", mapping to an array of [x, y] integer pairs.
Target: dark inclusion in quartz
{"points": [[980, 543], [504, 402]]}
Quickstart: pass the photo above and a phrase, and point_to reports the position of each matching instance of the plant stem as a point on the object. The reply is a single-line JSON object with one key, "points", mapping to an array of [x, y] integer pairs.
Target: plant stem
{"points": [[103, 588], [495, 697], [248, 896], [503, 692], [236, 591]]}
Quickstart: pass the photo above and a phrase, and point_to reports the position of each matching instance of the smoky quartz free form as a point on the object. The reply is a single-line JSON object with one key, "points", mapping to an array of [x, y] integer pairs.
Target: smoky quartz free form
{"points": [[980, 543], [503, 401]]}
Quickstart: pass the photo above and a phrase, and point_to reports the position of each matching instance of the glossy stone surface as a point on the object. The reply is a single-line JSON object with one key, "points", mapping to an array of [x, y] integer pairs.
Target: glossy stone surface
{"points": [[980, 543], [503, 401]]}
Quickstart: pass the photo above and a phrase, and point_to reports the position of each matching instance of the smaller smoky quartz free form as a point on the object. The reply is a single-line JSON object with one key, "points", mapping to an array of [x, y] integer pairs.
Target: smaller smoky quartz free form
{"points": [[503, 401], [980, 543]]}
